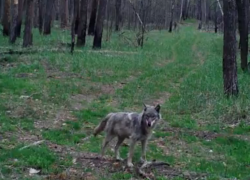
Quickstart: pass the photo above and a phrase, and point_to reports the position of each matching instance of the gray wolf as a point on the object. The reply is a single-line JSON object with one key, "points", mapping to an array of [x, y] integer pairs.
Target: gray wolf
{"points": [[132, 125]]}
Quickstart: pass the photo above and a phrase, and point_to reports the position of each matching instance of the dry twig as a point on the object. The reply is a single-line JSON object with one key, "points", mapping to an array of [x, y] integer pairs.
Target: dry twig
{"points": [[33, 144]]}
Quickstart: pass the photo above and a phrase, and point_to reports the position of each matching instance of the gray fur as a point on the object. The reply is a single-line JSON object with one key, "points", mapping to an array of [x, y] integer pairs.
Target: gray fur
{"points": [[136, 126]]}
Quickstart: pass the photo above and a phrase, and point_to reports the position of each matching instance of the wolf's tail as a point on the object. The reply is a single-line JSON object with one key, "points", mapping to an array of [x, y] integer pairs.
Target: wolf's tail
{"points": [[101, 125]]}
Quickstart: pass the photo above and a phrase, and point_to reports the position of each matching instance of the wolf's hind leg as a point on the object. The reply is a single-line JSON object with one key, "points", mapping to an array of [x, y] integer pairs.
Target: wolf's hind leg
{"points": [[108, 138], [118, 144]]}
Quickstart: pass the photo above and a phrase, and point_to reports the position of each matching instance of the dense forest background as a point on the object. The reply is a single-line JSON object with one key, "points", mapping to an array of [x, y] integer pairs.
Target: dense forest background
{"points": [[65, 64]]}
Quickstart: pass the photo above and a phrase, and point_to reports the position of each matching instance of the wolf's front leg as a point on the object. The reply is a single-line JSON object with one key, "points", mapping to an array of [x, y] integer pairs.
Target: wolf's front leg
{"points": [[131, 153], [143, 148]]}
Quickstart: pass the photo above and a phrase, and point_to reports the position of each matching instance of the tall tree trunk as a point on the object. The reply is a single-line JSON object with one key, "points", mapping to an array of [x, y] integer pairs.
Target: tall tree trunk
{"points": [[118, 4], [48, 17], [77, 21], [204, 11], [215, 19], [229, 49], [99, 24], [199, 13], [14, 12], [181, 10], [242, 6], [1, 9], [6, 18], [186, 9], [36, 14], [41, 15], [73, 24], [64, 13], [130, 17], [92, 20], [19, 18], [27, 38], [81, 38], [172, 16]]}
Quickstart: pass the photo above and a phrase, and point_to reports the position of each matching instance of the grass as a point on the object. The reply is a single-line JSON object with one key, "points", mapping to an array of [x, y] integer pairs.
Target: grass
{"points": [[61, 98]]}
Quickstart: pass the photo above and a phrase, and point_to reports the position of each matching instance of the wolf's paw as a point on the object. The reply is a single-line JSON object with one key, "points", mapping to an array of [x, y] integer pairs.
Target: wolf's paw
{"points": [[142, 160], [130, 165], [118, 159]]}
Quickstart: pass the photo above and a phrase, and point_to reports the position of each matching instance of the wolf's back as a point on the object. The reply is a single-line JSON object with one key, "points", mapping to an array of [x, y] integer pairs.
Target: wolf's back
{"points": [[101, 126]]}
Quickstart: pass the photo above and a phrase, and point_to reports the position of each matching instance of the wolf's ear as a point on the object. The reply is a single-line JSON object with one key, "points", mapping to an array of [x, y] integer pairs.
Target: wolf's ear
{"points": [[157, 108], [145, 106]]}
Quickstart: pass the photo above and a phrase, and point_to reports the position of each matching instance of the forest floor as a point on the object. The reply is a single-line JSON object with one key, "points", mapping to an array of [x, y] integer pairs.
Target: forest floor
{"points": [[48, 94]]}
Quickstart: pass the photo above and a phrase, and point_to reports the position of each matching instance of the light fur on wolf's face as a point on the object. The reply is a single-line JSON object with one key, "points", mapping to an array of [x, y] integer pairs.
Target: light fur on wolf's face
{"points": [[151, 115]]}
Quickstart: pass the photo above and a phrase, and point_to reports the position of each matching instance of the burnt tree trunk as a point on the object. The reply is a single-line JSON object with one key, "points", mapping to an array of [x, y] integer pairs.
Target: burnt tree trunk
{"points": [[99, 24], [19, 18], [64, 13], [13, 24], [92, 20], [242, 6], [48, 17], [229, 49], [6, 18], [27, 38], [118, 4], [81, 38], [41, 4], [172, 17]]}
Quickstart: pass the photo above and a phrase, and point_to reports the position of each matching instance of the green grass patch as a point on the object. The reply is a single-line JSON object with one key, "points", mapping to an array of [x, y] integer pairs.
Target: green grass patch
{"points": [[63, 136], [39, 157]]}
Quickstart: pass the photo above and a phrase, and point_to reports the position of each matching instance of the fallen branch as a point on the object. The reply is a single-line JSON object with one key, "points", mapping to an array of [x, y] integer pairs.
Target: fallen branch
{"points": [[150, 164], [2, 176], [33, 144], [87, 138], [222, 13]]}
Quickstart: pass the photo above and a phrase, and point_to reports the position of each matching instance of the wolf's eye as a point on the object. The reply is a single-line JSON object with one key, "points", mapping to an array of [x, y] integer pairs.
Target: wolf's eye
{"points": [[146, 116]]}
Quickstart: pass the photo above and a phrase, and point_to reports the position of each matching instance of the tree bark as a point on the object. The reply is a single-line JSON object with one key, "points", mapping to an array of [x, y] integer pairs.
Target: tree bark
{"points": [[19, 18], [242, 6], [73, 24], [81, 39], [92, 20], [229, 49], [1, 9], [64, 13], [36, 14], [215, 19], [99, 25], [199, 13], [77, 20], [41, 15], [6, 18], [172, 17], [181, 10], [48, 17], [13, 24], [27, 38], [118, 4]]}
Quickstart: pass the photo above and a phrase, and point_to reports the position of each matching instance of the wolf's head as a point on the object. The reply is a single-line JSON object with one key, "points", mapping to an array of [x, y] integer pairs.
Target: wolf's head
{"points": [[151, 115]]}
